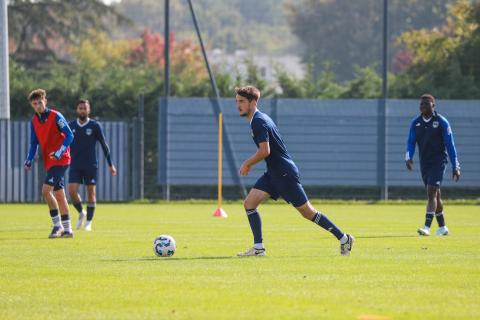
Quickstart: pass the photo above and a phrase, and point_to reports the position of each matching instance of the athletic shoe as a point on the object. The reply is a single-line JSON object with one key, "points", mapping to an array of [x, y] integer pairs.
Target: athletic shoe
{"points": [[442, 231], [88, 226], [252, 252], [56, 232], [347, 246], [81, 217], [67, 234], [423, 232]]}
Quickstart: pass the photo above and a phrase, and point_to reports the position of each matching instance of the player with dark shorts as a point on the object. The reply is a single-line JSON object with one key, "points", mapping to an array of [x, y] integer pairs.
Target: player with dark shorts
{"points": [[50, 130], [434, 136], [84, 167], [281, 178]]}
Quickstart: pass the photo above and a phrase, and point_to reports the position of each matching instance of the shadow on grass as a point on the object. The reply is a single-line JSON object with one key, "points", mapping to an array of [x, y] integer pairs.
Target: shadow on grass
{"points": [[387, 236], [23, 239], [168, 259]]}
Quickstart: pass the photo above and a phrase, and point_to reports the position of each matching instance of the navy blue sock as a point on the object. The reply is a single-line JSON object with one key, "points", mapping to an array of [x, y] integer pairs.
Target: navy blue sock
{"points": [[90, 211], [78, 206], [429, 219], [255, 225], [328, 225], [440, 219]]}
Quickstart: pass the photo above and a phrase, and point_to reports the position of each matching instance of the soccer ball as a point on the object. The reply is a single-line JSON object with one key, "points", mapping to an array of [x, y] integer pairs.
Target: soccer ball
{"points": [[164, 246]]}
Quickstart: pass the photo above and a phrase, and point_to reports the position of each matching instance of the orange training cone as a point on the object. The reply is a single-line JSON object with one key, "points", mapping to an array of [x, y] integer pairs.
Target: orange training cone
{"points": [[220, 213]]}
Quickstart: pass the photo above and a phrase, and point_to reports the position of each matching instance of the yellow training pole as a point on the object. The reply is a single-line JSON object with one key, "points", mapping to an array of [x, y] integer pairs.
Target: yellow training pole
{"points": [[220, 212], [220, 153]]}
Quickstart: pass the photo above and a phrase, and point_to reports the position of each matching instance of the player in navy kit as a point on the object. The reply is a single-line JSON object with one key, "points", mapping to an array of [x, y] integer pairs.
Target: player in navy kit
{"points": [[434, 136], [281, 178], [84, 166]]}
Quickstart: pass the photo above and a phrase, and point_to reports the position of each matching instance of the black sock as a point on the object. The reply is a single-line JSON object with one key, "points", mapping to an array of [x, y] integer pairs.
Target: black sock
{"points": [[328, 225], [90, 211], [440, 219], [255, 225], [78, 206], [429, 219]]}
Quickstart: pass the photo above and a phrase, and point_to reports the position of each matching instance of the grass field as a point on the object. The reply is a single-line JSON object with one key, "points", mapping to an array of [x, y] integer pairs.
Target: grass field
{"points": [[112, 273]]}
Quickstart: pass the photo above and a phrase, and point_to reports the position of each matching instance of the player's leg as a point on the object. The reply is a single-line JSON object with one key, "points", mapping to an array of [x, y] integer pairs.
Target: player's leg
{"points": [[442, 227], [261, 191], [76, 200], [64, 211], [47, 193], [432, 191], [60, 196], [91, 204], [75, 179], [292, 191], [310, 213], [254, 198]]}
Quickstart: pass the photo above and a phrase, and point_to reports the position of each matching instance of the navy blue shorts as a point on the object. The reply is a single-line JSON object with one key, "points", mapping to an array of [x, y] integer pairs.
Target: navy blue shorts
{"points": [[286, 186], [86, 176], [56, 177], [433, 175]]}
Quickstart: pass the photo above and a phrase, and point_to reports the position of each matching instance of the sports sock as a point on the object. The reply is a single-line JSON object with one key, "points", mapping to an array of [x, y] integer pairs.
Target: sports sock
{"points": [[55, 217], [440, 219], [256, 226], [78, 206], [429, 219], [66, 222], [90, 211], [344, 239], [323, 221]]}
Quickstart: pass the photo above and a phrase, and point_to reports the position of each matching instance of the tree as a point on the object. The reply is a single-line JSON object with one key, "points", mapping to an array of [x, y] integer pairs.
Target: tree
{"points": [[348, 33], [43, 30], [445, 59]]}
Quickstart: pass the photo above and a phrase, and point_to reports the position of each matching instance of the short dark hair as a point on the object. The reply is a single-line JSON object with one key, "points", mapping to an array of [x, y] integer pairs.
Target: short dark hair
{"points": [[37, 94], [428, 97], [249, 92], [80, 101]]}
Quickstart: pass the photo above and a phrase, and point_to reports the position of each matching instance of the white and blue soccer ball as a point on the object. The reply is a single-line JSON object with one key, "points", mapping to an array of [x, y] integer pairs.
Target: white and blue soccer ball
{"points": [[164, 246]]}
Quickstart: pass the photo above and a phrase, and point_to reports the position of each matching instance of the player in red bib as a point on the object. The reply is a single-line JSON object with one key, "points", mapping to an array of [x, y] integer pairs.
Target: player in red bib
{"points": [[50, 130]]}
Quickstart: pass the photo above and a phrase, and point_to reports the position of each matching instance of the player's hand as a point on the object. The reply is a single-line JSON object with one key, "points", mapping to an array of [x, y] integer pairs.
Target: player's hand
{"points": [[52, 156], [245, 169], [27, 165], [409, 164], [113, 170], [456, 174]]}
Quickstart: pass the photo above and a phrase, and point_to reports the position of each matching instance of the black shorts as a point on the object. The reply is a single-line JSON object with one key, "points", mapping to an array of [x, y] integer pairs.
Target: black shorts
{"points": [[56, 177], [86, 176], [286, 186], [432, 175]]}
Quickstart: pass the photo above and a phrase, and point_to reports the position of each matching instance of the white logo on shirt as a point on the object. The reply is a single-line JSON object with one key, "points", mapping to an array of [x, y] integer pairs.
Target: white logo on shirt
{"points": [[50, 180], [61, 123], [88, 131], [418, 124], [435, 124]]}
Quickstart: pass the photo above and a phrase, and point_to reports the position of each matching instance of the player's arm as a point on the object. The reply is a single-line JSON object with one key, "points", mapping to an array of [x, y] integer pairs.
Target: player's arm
{"points": [[32, 151], [260, 131], [100, 136], [62, 125], [411, 141], [447, 135]]}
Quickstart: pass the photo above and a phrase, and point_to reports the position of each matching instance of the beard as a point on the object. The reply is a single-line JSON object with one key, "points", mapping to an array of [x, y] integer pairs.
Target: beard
{"points": [[82, 118]]}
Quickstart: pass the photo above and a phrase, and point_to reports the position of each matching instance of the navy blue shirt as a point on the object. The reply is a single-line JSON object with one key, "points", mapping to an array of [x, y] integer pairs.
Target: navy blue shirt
{"points": [[83, 149], [279, 161], [434, 138]]}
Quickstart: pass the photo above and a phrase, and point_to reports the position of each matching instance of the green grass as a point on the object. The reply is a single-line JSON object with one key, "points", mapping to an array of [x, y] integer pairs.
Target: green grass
{"points": [[112, 272]]}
